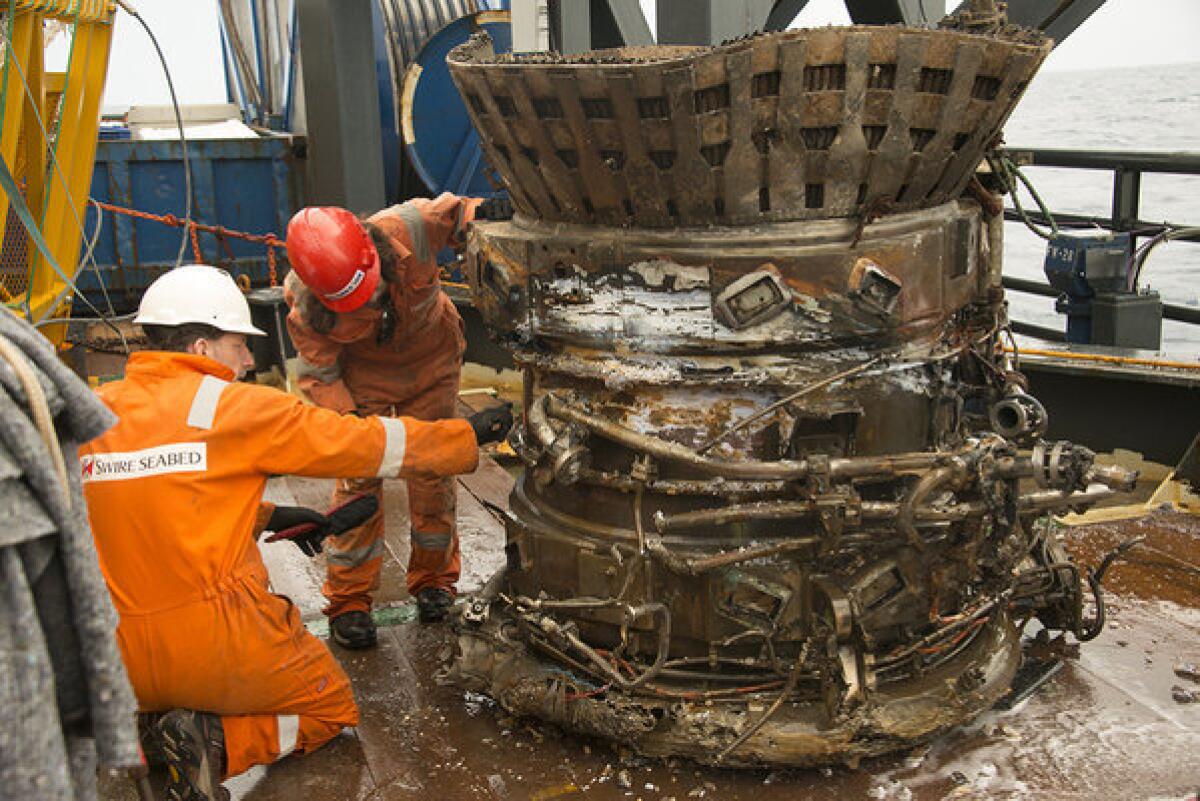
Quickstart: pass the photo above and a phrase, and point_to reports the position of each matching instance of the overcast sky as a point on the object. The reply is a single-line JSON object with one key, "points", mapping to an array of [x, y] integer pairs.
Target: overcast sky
{"points": [[1121, 33]]}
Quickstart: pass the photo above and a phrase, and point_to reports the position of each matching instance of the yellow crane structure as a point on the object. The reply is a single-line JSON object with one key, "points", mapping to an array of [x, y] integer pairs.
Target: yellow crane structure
{"points": [[48, 132]]}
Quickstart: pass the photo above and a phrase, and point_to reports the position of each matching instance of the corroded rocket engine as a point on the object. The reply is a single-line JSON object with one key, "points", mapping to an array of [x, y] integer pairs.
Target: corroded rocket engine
{"points": [[782, 487]]}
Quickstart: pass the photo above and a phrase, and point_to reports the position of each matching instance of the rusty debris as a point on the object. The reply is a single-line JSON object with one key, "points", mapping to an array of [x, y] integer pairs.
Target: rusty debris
{"points": [[783, 492]]}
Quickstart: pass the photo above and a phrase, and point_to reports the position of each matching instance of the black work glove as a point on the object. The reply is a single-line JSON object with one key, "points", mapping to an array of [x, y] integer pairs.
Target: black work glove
{"points": [[495, 208], [308, 533], [492, 425], [285, 517], [305, 527]]}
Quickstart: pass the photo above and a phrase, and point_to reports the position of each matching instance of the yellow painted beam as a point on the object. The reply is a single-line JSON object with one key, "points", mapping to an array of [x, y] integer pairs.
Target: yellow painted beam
{"points": [[79, 124], [98, 11], [33, 155], [19, 51], [56, 196]]}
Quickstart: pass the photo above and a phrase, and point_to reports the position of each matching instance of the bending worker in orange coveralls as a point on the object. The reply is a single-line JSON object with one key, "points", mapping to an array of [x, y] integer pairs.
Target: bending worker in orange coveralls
{"points": [[376, 335], [174, 493]]}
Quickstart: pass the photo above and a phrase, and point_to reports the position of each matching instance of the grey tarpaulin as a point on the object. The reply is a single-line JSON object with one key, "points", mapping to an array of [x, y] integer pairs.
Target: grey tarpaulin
{"points": [[65, 701]]}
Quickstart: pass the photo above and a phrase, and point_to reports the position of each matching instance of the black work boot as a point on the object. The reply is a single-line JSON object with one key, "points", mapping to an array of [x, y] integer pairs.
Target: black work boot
{"points": [[353, 630], [147, 728], [433, 603], [194, 746]]}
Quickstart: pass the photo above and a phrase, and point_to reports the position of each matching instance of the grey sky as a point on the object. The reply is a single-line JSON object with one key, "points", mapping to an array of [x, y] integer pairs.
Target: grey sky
{"points": [[1121, 33]]}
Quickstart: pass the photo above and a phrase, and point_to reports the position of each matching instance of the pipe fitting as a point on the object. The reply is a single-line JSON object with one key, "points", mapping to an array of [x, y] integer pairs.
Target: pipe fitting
{"points": [[1018, 417], [568, 457]]}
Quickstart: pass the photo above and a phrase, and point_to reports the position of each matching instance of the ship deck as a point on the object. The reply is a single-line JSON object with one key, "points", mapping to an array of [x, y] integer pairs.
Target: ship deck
{"points": [[1106, 726]]}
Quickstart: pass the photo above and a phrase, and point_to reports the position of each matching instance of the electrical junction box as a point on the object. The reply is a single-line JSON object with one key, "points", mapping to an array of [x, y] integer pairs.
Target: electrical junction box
{"points": [[1125, 320], [1080, 266]]}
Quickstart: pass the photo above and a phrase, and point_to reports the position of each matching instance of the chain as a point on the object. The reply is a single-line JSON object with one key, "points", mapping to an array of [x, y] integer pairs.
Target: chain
{"points": [[194, 229]]}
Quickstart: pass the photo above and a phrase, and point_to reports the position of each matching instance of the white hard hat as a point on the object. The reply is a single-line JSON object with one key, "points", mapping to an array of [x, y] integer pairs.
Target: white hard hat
{"points": [[197, 293]]}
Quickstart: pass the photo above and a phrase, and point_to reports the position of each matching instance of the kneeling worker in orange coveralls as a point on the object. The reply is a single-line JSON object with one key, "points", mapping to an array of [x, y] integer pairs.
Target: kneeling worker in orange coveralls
{"points": [[173, 493]]}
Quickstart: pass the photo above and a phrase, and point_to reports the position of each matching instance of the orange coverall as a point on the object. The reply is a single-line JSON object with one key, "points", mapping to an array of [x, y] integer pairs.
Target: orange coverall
{"points": [[173, 491], [414, 373]]}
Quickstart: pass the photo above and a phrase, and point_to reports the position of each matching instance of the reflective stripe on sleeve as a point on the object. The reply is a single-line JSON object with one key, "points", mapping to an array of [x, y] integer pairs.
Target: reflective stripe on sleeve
{"points": [[393, 451], [431, 541], [289, 733], [326, 375], [355, 556], [415, 223], [204, 405]]}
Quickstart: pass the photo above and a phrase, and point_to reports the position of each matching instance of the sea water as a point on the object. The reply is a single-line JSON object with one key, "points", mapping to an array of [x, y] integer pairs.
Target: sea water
{"points": [[1155, 108]]}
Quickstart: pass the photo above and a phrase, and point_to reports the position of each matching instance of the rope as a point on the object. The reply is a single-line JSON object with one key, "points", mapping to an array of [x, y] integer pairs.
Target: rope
{"points": [[1097, 357], [270, 241], [39, 408]]}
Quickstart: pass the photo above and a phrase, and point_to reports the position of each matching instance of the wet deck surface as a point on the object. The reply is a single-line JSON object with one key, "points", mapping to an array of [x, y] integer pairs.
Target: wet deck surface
{"points": [[1105, 727]]}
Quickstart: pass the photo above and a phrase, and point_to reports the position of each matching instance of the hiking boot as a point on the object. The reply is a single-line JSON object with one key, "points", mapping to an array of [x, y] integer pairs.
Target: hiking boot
{"points": [[433, 603], [353, 630], [194, 746]]}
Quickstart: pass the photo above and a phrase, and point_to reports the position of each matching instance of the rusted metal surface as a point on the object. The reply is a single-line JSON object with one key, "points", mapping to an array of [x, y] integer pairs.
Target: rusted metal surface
{"points": [[776, 507], [809, 124]]}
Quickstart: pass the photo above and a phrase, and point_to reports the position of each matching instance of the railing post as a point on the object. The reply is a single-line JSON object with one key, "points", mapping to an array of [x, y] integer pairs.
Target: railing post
{"points": [[1127, 192]]}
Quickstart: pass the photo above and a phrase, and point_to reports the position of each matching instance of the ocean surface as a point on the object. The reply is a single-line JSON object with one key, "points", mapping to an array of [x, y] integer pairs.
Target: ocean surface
{"points": [[1145, 108]]}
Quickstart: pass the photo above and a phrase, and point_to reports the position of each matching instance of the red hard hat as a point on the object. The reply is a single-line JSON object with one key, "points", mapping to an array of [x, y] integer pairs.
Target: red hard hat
{"points": [[333, 254]]}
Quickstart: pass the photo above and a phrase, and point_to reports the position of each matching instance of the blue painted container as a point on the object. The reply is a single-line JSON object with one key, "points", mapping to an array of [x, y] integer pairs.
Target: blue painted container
{"points": [[247, 185], [439, 139]]}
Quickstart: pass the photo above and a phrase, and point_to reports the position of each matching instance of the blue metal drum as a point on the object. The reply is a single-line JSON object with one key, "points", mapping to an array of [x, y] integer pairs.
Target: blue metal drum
{"points": [[440, 141], [401, 27]]}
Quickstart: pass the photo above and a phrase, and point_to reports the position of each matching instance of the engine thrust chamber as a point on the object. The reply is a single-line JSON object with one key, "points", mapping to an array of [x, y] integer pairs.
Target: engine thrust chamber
{"points": [[767, 514]]}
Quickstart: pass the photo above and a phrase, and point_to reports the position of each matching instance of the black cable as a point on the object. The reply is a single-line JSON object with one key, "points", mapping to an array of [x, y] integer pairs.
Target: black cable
{"points": [[1143, 252], [1090, 630], [1115, 554], [187, 164], [89, 255]]}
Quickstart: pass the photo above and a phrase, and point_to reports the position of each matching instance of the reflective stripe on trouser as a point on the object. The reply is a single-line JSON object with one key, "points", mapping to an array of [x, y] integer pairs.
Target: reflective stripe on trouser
{"points": [[353, 559], [244, 654], [435, 560]]}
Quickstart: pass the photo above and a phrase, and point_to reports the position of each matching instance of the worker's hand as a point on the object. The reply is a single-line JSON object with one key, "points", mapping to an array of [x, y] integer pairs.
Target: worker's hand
{"points": [[285, 517], [495, 208], [492, 425], [304, 527], [313, 527]]}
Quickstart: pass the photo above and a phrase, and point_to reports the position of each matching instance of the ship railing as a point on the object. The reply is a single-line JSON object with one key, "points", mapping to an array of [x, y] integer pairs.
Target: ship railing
{"points": [[1127, 168]]}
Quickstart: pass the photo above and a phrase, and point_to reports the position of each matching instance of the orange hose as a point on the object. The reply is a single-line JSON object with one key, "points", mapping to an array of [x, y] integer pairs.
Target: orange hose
{"points": [[1097, 357]]}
